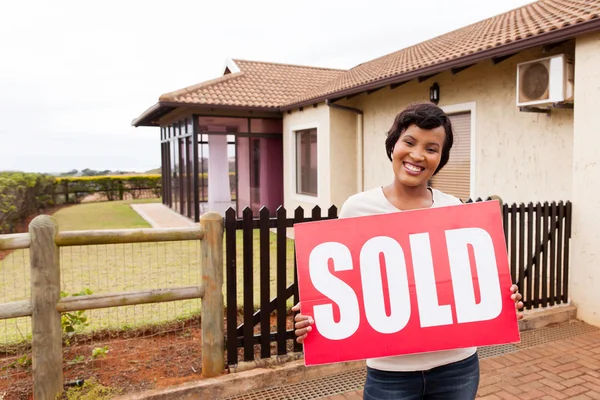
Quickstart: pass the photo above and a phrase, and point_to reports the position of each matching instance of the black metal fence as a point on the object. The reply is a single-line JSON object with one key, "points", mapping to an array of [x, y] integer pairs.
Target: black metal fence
{"points": [[537, 239]]}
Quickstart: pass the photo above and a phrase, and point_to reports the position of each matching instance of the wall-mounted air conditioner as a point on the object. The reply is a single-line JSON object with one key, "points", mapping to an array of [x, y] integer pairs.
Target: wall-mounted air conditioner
{"points": [[545, 81]]}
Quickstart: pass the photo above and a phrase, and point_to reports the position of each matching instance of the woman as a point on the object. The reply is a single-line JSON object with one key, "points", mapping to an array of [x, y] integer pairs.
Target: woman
{"points": [[418, 145]]}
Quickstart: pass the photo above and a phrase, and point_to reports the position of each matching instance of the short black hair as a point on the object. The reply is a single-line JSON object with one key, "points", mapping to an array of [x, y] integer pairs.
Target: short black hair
{"points": [[425, 116]]}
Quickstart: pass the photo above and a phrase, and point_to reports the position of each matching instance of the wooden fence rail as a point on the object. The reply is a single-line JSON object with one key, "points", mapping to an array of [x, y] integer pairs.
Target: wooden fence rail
{"points": [[45, 305]]}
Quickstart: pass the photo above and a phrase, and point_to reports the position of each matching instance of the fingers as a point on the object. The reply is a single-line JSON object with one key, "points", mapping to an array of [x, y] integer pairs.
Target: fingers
{"points": [[519, 305], [300, 339], [303, 324], [519, 316]]}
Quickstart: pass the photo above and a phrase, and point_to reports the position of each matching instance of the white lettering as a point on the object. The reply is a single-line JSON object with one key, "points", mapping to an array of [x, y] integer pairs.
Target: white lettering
{"points": [[372, 284], [431, 313], [335, 289], [462, 279]]}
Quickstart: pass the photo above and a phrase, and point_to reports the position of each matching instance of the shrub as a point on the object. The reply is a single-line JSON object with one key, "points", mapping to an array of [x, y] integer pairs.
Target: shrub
{"points": [[23, 194], [113, 186]]}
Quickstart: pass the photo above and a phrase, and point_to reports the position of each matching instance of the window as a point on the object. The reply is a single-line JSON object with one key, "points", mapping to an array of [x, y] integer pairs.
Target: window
{"points": [[306, 162], [455, 177]]}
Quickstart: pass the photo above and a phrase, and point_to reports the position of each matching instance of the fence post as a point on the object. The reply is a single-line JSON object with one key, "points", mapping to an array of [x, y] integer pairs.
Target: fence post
{"points": [[45, 320], [213, 328]]}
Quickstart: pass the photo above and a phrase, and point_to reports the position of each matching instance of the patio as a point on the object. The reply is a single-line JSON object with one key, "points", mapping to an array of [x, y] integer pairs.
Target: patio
{"points": [[555, 362]]}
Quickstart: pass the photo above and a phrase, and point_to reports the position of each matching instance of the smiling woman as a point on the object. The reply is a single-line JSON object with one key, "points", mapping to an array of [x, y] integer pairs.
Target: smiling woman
{"points": [[418, 145]]}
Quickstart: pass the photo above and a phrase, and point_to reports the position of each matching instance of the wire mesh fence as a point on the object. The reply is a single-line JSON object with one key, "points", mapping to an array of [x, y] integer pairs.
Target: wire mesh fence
{"points": [[15, 334], [133, 347]]}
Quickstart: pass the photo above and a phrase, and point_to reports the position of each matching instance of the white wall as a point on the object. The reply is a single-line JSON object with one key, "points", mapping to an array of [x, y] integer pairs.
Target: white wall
{"points": [[584, 287]]}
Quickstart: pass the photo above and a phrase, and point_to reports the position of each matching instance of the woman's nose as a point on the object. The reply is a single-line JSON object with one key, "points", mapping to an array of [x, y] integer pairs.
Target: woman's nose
{"points": [[417, 156]]}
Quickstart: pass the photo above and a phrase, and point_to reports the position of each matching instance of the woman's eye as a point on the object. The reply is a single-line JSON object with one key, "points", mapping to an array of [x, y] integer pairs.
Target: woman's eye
{"points": [[409, 144], [432, 150]]}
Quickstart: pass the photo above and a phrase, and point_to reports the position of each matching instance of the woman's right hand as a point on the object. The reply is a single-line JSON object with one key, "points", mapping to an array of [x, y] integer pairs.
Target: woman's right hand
{"points": [[302, 325]]}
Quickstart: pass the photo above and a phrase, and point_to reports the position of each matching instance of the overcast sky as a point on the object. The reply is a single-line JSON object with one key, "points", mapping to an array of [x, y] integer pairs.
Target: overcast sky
{"points": [[73, 74]]}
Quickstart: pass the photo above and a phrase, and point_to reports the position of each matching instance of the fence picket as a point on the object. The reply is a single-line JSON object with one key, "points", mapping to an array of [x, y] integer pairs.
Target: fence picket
{"points": [[552, 253], [231, 266], [559, 251], [265, 283], [513, 243], [298, 218], [521, 254], [538, 255], [248, 236], [544, 262], [281, 281], [568, 220], [530, 274], [505, 223]]}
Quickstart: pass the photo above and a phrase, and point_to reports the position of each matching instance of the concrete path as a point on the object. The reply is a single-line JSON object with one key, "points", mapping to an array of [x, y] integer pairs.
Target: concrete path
{"points": [[160, 216], [566, 369]]}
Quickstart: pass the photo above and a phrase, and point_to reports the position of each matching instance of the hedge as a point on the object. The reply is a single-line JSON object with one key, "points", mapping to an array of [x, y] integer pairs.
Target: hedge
{"points": [[112, 186], [23, 194]]}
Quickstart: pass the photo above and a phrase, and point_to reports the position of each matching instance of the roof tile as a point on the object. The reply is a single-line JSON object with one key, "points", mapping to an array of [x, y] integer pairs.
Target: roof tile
{"points": [[272, 85], [258, 84], [525, 22]]}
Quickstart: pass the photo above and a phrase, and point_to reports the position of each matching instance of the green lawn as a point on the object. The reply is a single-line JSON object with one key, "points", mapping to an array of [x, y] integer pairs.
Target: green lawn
{"points": [[116, 268], [102, 215]]}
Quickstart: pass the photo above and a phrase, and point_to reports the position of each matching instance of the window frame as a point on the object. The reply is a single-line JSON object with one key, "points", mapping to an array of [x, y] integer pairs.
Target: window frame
{"points": [[292, 189], [300, 169]]}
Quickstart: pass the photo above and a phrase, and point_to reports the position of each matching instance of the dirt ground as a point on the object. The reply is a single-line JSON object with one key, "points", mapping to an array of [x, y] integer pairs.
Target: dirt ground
{"points": [[132, 364]]}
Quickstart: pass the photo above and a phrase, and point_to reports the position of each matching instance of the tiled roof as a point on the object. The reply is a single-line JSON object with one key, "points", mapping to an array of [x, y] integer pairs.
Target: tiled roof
{"points": [[537, 19], [258, 84]]}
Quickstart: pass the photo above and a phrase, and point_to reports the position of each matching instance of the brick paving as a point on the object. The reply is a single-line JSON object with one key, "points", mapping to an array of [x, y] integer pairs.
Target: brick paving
{"points": [[564, 369]]}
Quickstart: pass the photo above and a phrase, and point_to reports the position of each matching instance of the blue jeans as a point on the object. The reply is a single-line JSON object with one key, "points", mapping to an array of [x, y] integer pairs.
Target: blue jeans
{"points": [[456, 381]]}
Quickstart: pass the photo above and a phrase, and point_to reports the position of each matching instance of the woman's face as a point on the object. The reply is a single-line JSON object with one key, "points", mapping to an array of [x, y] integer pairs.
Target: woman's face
{"points": [[417, 154]]}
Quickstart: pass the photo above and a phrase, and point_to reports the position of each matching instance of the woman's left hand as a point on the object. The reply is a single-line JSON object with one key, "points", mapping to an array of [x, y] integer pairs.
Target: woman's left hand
{"points": [[516, 297]]}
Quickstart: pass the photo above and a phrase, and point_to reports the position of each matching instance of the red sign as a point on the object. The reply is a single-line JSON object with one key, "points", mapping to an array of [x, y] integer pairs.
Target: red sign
{"points": [[407, 282]]}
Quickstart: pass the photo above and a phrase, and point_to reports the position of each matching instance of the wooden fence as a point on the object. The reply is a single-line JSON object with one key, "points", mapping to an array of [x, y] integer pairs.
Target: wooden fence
{"points": [[45, 305], [537, 239]]}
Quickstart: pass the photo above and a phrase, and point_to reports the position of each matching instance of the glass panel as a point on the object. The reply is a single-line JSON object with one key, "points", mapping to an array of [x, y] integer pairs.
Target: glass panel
{"points": [[232, 174], [243, 173], [174, 175], [306, 162], [223, 124], [189, 174], [190, 125], [255, 171], [264, 125], [183, 177], [203, 171]]}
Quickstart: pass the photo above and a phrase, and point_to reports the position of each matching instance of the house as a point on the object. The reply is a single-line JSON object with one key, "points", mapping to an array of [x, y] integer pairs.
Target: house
{"points": [[522, 89]]}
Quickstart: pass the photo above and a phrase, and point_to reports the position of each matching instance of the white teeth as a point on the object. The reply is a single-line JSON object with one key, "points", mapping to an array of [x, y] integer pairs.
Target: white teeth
{"points": [[413, 168]]}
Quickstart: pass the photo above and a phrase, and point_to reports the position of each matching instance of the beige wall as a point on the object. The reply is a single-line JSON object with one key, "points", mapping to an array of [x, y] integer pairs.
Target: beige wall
{"points": [[520, 156], [585, 254], [342, 136], [336, 147], [310, 117]]}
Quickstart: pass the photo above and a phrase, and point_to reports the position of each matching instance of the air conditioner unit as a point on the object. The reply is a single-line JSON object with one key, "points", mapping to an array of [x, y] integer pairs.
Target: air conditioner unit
{"points": [[545, 81]]}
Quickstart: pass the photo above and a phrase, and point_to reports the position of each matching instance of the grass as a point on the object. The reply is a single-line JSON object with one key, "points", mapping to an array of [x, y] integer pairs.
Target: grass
{"points": [[129, 267], [102, 215]]}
